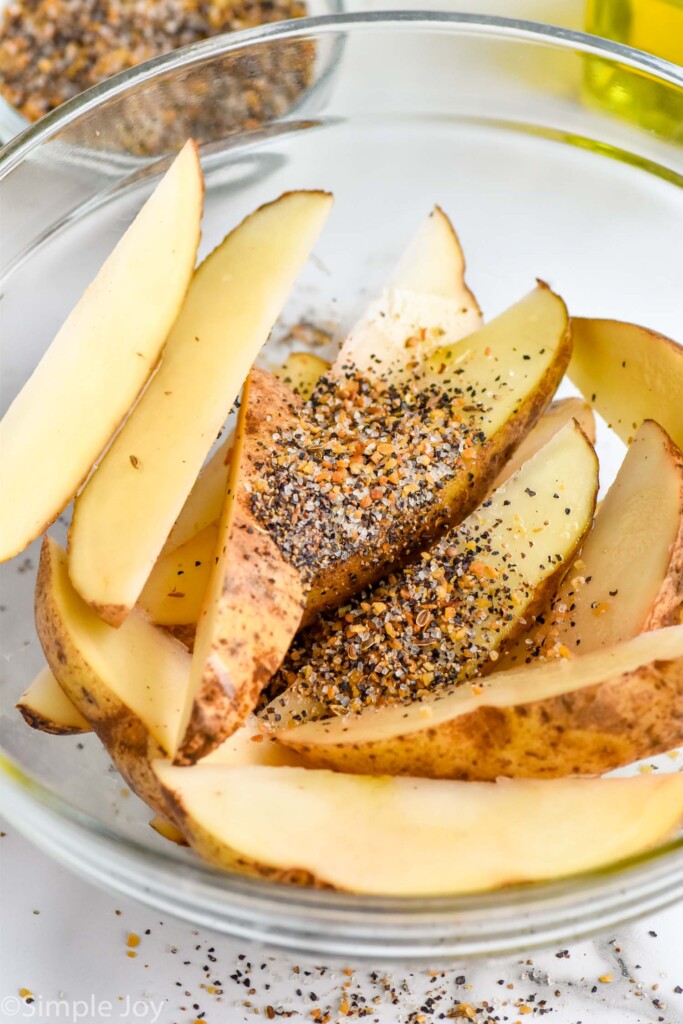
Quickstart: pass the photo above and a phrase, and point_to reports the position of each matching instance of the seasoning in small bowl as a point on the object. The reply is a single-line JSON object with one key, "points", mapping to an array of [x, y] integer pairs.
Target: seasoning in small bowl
{"points": [[52, 50]]}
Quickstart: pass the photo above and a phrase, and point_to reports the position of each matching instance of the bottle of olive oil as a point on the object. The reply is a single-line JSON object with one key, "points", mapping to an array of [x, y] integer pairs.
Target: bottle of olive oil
{"points": [[652, 25]]}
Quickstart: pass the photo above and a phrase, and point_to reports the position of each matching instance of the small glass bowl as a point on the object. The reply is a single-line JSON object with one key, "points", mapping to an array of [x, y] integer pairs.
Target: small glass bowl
{"points": [[142, 136], [489, 118]]}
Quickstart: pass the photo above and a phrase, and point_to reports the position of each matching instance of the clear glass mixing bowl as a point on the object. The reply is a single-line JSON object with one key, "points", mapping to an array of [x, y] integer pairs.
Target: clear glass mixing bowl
{"points": [[489, 118]]}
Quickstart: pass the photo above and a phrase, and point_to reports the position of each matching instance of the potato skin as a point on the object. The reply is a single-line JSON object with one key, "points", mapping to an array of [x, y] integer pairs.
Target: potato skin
{"points": [[262, 596], [586, 732], [667, 609], [122, 734], [40, 724]]}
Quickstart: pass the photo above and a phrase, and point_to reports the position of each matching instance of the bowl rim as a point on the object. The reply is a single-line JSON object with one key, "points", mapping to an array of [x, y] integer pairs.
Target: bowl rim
{"points": [[491, 26], [364, 923]]}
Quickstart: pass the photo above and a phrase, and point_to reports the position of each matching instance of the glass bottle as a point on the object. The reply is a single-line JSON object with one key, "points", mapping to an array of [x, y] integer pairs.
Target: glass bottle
{"points": [[652, 25]]}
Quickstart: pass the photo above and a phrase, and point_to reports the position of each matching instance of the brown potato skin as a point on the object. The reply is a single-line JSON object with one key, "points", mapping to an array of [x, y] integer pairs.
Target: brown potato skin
{"points": [[667, 609], [263, 595], [586, 732], [121, 732], [40, 724]]}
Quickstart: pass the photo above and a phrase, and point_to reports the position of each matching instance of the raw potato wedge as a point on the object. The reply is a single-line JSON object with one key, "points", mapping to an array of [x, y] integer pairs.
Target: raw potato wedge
{"points": [[434, 264], [629, 374], [416, 837], [556, 416], [65, 415], [440, 620], [629, 578], [174, 592], [283, 558], [45, 707], [426, 300], [234, 653], [125, 513], [301, 371], [129, 683], [487, 391], [581, 716]]}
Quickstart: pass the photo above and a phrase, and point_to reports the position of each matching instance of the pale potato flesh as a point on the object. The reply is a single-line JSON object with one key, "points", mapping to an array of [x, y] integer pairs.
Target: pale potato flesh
{"points": [[174, 592], [301, 371], [629, 576], [46, 707], [523, 537], [553, 419], [251, 746], [136, 672], [416, 837], [583, 715], [125, 513], [629, 374], [426, 300], [65, 415], [433, 264]]}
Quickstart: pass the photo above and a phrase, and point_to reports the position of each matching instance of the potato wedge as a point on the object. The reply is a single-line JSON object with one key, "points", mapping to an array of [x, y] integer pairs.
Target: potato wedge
{"points": [[125, 513], [440, 620], [301, 371], [556, 416], [434, 264], [416, 837], [629, 577], [629, 374], [235, 653], [83, 387], [426, 300], [580, 716], [175, 589], [45, 707], [297, 543], [129, 683]]}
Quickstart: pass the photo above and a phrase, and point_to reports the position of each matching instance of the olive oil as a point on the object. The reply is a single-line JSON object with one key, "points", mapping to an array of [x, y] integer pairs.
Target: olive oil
{"points": [[652, 25]]}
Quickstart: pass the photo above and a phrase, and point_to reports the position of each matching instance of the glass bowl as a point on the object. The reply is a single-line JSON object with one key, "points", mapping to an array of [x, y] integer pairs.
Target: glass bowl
{"points": [[487, 117]]}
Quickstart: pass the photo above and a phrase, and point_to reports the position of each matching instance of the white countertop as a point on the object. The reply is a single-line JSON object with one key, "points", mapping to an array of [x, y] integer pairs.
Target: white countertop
{"points": [[65, 943]]}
